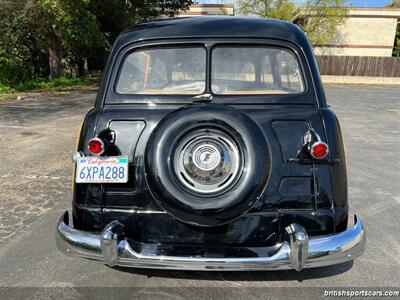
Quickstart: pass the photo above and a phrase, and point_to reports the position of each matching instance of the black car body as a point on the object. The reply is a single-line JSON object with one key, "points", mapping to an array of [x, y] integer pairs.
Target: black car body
{"points": [[221, 120]]}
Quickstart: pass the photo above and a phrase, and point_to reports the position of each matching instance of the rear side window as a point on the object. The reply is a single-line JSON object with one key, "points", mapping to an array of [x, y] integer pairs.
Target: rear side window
{"points": [[163, 71], [255, 70]]}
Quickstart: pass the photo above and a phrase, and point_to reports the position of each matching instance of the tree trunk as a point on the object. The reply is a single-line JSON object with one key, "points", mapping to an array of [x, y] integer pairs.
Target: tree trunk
{"points": [[54, 48], [81, 67], [96, 62]]}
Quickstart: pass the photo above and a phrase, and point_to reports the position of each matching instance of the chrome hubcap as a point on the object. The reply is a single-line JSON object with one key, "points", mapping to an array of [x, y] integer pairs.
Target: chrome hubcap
{"points": [[206, 157], [207, 161]]}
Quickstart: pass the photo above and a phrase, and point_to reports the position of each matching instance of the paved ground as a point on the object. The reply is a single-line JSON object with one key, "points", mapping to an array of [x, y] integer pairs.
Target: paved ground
{"points": [[38, 135]]}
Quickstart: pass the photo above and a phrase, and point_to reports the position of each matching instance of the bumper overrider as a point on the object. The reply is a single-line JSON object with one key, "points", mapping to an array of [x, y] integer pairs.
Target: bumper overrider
{"points": [[298, 251]]}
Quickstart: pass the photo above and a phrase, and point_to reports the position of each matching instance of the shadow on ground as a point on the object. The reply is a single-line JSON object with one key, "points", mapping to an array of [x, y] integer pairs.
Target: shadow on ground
{"points": [[244, 275]]}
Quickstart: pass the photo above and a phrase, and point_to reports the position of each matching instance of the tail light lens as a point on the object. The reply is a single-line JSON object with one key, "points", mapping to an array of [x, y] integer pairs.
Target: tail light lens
{"points": [[96, 146], [319, 150]]}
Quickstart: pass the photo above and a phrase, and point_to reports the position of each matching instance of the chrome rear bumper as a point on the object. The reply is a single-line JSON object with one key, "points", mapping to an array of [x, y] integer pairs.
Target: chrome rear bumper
{"points": [[297, 252]]}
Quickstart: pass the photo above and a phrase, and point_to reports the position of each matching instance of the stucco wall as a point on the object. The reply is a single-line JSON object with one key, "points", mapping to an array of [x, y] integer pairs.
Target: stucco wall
{"points": [[208, 9], [365, 32], [352, 51]]}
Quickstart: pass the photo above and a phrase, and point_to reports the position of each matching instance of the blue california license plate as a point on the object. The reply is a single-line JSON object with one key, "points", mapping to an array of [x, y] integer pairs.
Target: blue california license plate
{"points": [[93, 169]]}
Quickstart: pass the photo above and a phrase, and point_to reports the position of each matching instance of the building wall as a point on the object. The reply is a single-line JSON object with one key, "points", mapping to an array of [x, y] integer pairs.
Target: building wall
{"points": [[339, 51], [208, 9], [366, 32]]}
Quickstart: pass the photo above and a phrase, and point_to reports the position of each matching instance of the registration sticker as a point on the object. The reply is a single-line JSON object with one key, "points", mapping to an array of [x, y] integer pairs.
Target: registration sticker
{"points": [[92, 169]]}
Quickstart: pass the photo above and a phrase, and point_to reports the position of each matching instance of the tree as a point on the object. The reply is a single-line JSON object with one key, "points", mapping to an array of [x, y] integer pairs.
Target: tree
{"points": [[318, 18], [274, 9], [394, 3], [36, 30], [321, 19], [67, 34], [115, 15], [396, 48], [63, 25]]}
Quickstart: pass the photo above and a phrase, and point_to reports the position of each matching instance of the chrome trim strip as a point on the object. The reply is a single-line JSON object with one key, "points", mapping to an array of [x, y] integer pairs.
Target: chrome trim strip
{"points": [[297, 252], [133, 211], [126, 211]]}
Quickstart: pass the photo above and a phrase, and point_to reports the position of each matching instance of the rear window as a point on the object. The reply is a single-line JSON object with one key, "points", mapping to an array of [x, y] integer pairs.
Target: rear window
{"points": [[255, 70], [163, 71]]}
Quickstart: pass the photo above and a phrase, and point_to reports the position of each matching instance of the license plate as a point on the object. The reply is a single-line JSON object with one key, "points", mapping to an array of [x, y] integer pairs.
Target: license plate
{"points": [[102, 170]]}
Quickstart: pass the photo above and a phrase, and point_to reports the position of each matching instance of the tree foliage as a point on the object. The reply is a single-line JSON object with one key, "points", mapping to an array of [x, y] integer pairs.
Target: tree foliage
{"points": [[63, 26], [394, 3], [274, 9], [40, 38], [318, 18], [322, 19], [19, 53], [396, 48]]}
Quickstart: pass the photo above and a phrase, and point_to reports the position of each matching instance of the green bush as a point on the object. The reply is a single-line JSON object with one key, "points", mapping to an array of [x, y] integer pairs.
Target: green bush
{"points": [[9, 70], [38, 84], [5, 89], [46, 84]]}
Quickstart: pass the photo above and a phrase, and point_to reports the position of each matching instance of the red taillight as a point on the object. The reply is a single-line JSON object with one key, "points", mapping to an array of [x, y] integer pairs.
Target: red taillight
{"points": [[96, 146], [319, 150]]}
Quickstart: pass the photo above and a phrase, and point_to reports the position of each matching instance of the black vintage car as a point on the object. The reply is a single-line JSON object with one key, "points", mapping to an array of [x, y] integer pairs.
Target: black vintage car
{"points": [[211, 147]]}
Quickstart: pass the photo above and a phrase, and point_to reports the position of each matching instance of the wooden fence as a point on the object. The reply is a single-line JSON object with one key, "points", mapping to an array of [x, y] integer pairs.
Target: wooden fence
{"points": [[373, 66]]}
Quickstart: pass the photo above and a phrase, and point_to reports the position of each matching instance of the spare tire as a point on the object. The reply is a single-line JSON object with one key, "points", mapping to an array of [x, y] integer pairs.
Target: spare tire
{"points": [[206, 164]]}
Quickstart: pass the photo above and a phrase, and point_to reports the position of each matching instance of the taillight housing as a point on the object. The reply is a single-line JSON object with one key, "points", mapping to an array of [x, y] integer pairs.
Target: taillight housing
{"points": [[319, 150], [99, 144], [313, 146], [96, 146]]}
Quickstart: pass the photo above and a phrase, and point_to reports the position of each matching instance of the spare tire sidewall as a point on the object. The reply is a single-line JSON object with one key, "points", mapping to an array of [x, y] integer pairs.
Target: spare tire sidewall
{"points": [[206, 210]]}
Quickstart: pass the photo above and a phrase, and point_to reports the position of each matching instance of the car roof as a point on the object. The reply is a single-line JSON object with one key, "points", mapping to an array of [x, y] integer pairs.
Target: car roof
{"points": [[212, 27], [220, 26]]}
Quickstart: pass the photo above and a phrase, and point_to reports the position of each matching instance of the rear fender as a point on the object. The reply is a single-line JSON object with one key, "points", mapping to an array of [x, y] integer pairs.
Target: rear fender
{"points": [[338, 169], [81, 192]]}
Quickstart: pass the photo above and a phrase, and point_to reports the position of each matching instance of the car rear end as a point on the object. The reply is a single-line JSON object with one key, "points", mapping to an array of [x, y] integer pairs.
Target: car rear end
{"points": [[211, 154]]}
